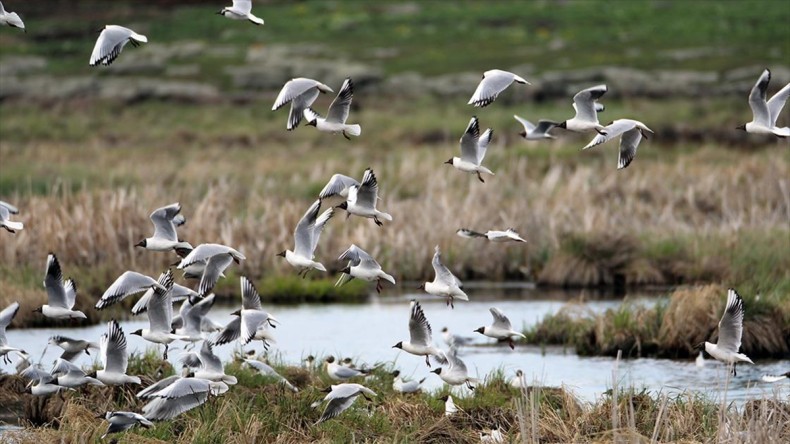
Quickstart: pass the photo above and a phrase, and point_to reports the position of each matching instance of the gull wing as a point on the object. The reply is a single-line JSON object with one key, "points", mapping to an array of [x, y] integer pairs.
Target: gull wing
{"points": [[482, 144], [6, 316], [243, 6], [584, 102], [215, 266], [129, 283], [366, 194], [320, 223], [53, 282], [731, 323], [303, 234], [113, 349], [629, 142], [757, 96], [419, 328], [11, 209], [777, 102], [528, 126], [544, 126], [250, 299], [469, 145], [251, 320], [339, 109], [337, 185], [203, 252], [500, 320], [230, 333], [160, 306], [493, 83], [110, 44], [164, 224], [443, 274]]}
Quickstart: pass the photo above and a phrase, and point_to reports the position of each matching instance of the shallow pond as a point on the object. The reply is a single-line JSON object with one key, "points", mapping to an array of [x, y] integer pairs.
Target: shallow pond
{"points": [[367, 332]]}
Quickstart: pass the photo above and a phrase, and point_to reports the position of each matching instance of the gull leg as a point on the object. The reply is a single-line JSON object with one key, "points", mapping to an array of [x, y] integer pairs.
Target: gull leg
{"points": [[480, 178], [512, 345], [378, 222], [346, 136], [378, 286], [165, 357], [427, 361]]}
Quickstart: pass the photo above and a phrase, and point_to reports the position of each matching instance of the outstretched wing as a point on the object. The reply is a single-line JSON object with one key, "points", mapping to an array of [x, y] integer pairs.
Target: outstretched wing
{"points": [[731, 324], [340, 107], [500, 320]]}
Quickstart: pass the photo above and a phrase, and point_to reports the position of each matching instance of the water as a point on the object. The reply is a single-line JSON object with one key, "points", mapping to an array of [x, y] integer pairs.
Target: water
{"points": [[367, 332]]}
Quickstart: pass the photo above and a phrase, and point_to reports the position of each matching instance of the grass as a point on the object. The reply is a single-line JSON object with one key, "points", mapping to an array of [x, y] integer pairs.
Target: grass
{"points": [[255, 410], [669, 329]]}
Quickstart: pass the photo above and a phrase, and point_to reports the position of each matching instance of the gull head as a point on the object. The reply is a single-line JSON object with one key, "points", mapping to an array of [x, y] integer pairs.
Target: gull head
{"points": [[700, 346], [741, 127], [480, 330], [329, 359], [222, 11], [444, 330], [519, 373], [282, 253], [438, 371], [343, 206], [449, 161], [398, 345], [523, 134], [138, 332], [313, 122], [396, 373], [101, 415], [346, 270], [39, 310], [236, 313], [422, 287], [92, 374], [142, 243], [563, 125], [327, 390]]}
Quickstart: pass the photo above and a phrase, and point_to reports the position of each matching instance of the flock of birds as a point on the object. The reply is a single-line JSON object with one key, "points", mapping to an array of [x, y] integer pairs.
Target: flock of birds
{"points": [[204, 373]]}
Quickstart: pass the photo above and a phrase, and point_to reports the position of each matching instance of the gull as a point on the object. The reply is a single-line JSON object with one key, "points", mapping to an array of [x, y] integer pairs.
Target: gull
{"points": [[500, 329], [165, 238], [339, 372], [336, 190], [508, 235], [730, 332], [178, 293], [586, 106], [7, 223], [306, 235], [69, 375], [122, 421], [241, 10], [61, 295], [11, 19], [362, 199], [180, 395], [765, 113], [216, 257], [6, 316], [72, 347], [518, 381], [420, 342], [208, 365], [455, 373], [127, 284], [266, 370], [300, 93], [401, 386], [251, 321], [340, 397], [449, 406], [160, 314], [335, 121], [150, 391], [444, 282], [193, 311], [493, 83], [630, 132], [114, 357], [45, 385], [453, 340], [533, 132], [361, 265], [111, 42], [493, 436], [473, 150], [206, 324], [775, 378]]}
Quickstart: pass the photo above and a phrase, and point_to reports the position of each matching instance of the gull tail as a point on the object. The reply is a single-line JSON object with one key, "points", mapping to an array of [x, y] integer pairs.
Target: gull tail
{"points": [[353, 130], [384, 216], [743, 358], [256, 20], [319, 266], [13, 226], [485, 170], [388, 278]]}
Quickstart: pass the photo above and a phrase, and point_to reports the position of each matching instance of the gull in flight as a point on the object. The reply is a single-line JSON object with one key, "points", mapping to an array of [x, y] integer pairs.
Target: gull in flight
{"points": [[6, 316], [533, 132], [730, 332], [340, 397], [251, 321], [208, 365], [160, 315], [266, 370], [361, 265], [401, 386], [69, 375], [501, 328], [173, 396], [455, 373], [11, 19], [444, 282], [61, 295], [6, 210], [178, 293], [216, 257], [765, 113], [420, 342], [300, 93], [72, 347], [335, 121], [631, 133], [193, 313], [336, 190], [473, 150], [111, 42], [114, 357], [493, 83], [306, 236], [122, 421], [241, 10], [165, 238], [775, 378], [127, 284], [362, 199], [339, 372], [508, 235], [586, 105]]}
